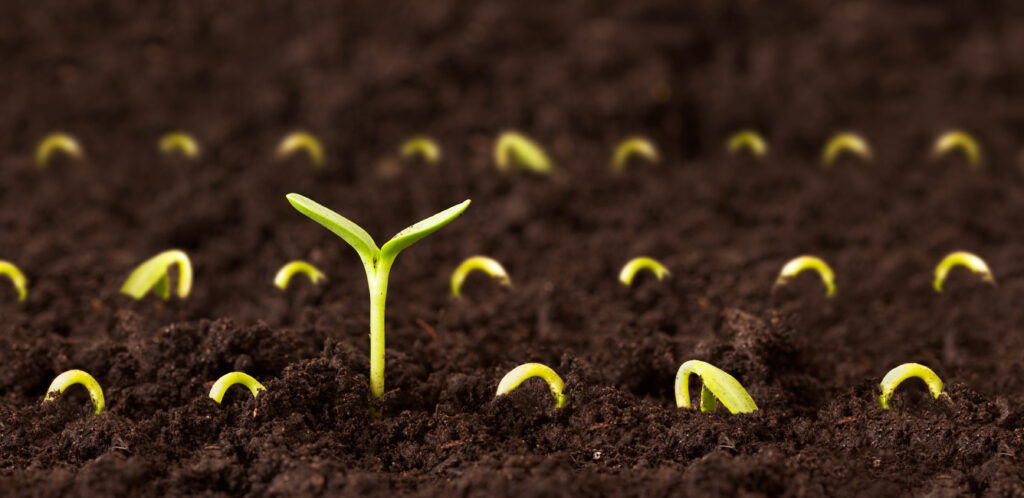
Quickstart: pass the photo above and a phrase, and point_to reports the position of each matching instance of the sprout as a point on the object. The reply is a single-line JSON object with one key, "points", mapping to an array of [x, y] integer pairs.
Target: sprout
{"points": [[301, 140], [748, 140], [72, 377], [635, 265], [227, 380], [634, 145], [903, 372], [181, 142], [961, 258], [377, 264], [17, 278], [478, 263], [515, 150], [799, 264], [285, 274], [152, 275], [55, 142], [422, 147], [717, 383], [845, 142], [517, 375], [958, 139]]}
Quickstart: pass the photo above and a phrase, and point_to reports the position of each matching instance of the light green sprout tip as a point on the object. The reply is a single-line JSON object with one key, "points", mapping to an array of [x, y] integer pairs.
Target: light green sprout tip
{"points": [[629, 147], [17, 278], [958, 139], [227, 380], [285, 274], [896, 376], [799, 264], [56, 142], [748, 140], [517, 375], [72, 377], [422, 147], [845, 142], [635, 265], [514, 150], [717, 384], [179, 142], [478, 263], [965, 259], [304, 141], [377, 264], [152, 275]]}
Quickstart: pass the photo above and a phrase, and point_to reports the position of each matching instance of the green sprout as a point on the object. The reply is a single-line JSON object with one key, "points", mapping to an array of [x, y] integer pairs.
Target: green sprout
{"points": [[301, 140], [285, 274], [797, 265], [635, 265], [965, 259], [517, 375], [377, 264], [422, 147], [748, 140], [478, 263], [903, 372], [639, 146], [56, 142], [152, 275], [958, 139], [227, 380], [179, 142], [513, 150], [845, 142], [17, 278], [72, 377], [717, 384]]}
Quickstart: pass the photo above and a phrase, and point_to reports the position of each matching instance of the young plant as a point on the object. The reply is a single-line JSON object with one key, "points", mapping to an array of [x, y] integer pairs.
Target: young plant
{"points": [[377, 264], [304, 141], [179, 142], [629, 147], [958, 139], [285, 274], [965, 259], [478, 263], [72, 377], [227, 380], [845, 142], [636, 265], [896, 376], [17, 278], [797, 265], [152, 275], [56, 142], [748, 140], [514, 150], [422, 147], [717, 384], [517, 375]]}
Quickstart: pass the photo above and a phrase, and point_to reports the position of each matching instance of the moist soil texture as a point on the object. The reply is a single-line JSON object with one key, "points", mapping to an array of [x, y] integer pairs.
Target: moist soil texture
{"points": [[578, 76]]}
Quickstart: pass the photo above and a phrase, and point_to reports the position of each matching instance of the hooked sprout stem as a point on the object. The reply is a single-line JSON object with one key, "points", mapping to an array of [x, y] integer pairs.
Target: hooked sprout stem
{"points": [[799, 264], [56, 142], [72, 377], [965, 259], [636, 265], [517, 375], [896, 376], [748, 140], [958, 139], [717, 384], [514, 150], [845, 142], [18, 279], [227, 380], [629, 147], [152, 275], [423, 147], [179, 141], [301, 140], [478, 263], [285, 274]]}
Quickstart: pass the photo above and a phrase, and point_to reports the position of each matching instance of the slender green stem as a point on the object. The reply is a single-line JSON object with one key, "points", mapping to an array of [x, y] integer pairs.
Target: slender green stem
{"points": [[378, 300]]}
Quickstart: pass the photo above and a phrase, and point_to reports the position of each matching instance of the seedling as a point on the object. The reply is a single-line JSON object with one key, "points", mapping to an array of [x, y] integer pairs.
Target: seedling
{"points": [[961, 258], [797, 265], [748, 140], [422, 147], [903, 372], [845, 142], [514, 150], [56, 142], [17, 278], [179, 142], [636, 265], [285, 274], [227, 380], [152, 275], [717, 384], [517, 375], [377, 264], [478, 263], [958, 139], [638, 146], [72, 377], [304, 141]]}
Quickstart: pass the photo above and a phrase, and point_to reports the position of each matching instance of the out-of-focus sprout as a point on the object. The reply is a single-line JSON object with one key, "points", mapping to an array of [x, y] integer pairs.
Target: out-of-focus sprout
{"points": [[958, 139], [56, 142], [847, 142], [965, 259], [285, 274], [478, 263], [304, 141], [799, 264], [422, 147], [179, 142], [633, 146], [514, 150], [17, 278], [636, 265], [748, 140]]}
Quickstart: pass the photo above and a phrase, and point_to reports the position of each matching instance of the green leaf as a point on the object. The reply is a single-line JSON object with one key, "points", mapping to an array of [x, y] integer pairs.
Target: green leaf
{"points": [[421, 229], [152, 275], [340, 225]]}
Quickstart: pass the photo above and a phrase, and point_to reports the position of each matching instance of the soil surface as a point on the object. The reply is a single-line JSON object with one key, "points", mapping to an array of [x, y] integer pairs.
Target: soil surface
{"points": [[578, 76]]}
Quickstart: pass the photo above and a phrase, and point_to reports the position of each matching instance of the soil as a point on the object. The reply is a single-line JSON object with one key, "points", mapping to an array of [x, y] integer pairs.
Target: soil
{"points": [[578, 76]]}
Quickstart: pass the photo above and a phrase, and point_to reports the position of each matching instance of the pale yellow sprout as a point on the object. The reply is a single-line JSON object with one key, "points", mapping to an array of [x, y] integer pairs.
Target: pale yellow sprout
{"points": [[478, 263], [639, 264], [717, 384], [227, 380], [799, 264], [285, 274], [179, 142], [845, 142], [18, 279], [958, 139], [903, 372], [638, 146], [422, 147], [965, 259], [303, 141], [514, 150], [152, 275], [517, 375], [748, 140], [56, 142], [72, 377]]}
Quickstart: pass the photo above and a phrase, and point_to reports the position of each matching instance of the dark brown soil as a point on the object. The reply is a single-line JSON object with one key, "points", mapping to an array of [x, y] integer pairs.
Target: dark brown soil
{"points": [[578, 76]]}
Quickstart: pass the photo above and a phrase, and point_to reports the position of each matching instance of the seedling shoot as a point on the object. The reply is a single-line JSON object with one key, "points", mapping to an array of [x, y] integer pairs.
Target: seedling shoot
{"points": [[422, 147], [56, 142], [643, 263], [302, 141], [18, 279], [514, 150], [633, 146], [179, 142], [896, 376], [717, 384], [289, 270], [748, 140], [478, 263], [72, 377], [958, 139], [517, 375], [152, 275], [965, 259], [227, 380], [803, 263], [850, 143]]}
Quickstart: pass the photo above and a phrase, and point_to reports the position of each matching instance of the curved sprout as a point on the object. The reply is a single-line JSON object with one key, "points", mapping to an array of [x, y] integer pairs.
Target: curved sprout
{"points": [[961, 258], [285, 274], [17, 278], [717, 384], [301, 140], [227, 380], [636, 265], [517, 375], [799, 264], [72, 377], [478, 263], [896, 376], [639, 146], [958, 139], [56, 142], [180, 142], [515, 150], [845, 142], [748, 140], [423, 147], [152, 275]]}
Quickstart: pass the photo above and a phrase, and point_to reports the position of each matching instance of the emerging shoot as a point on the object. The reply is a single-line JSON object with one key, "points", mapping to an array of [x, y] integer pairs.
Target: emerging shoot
{"points": [[517, 375], [72, 377], [56, 142], [845, 142], [797, 265], [17, 278], [152, 275], [285, 274], [748, 140], [903, 372], [965, 259], [478, 263], [635, 265], [958, 139], [422, 147], [377, 264], [717, 384], [514, 150], [181, 143], [227, 380], [304, 141], [638, 146]]}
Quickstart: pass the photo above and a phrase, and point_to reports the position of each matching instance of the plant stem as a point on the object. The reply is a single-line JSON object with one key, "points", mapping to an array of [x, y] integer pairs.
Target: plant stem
{"points": [[378, 299]]}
